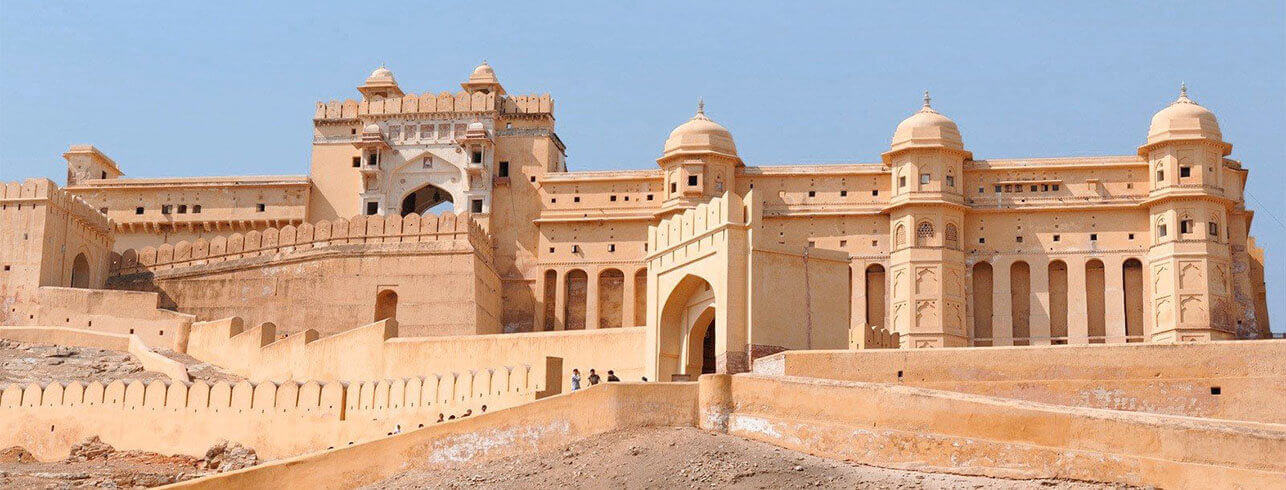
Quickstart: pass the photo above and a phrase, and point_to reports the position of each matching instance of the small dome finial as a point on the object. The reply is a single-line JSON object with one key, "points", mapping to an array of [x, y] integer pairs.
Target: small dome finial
{"points": [[1183, 89], [701, 105], [926, 100]]}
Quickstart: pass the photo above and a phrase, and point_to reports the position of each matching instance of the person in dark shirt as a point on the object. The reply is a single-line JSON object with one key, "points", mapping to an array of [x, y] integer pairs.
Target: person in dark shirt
{"points": [[593, 378], [611, 377]]}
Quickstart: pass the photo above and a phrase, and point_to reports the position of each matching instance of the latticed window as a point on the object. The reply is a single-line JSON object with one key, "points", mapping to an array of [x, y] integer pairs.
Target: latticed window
{"points": [[923, 234], [952, 235]]}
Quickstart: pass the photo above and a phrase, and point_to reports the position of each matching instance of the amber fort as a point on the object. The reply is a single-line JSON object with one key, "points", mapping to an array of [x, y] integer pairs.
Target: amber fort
{"points": [[1099, 319]]}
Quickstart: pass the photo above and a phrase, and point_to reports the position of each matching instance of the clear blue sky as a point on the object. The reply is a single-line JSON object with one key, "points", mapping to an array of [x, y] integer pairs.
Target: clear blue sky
{"points": [[227, 89]]}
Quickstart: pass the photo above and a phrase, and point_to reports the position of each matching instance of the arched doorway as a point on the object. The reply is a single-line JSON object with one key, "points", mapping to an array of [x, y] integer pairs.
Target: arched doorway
{"points": [[386, 305], [687, 318], [80, 272], [427, 199]]}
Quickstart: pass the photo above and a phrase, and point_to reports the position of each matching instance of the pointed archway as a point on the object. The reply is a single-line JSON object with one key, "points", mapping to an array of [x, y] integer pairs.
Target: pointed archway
{"points": [[427, 199], [688, 315]]}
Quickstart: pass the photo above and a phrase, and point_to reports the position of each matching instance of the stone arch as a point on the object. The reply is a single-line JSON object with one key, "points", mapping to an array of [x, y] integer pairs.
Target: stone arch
{"points": [[686, 303], [575, 284], [899, 236], [982, 304], [550, 297], [611, 298], [1058, 301], [875, 296], [427, 198], [80, 272], [1132, 285], [386, 305], [951, 235], [1095, 293], [700, 344], [1020, 301]]}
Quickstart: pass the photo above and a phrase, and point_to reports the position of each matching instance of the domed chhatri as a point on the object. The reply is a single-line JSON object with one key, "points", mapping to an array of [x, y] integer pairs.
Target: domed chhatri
{"points": [[380, 84], [381, 74], [371, 128], [483, 73], [927, 128], [1184, 119], [483, 79], [700, 134]]}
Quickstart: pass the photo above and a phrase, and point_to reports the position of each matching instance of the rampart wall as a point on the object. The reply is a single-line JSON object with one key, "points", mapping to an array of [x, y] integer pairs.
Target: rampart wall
{"points": [[276, 419], [433, 273], [1228, 380], [375, 351], [106, 311], [429, 103], [150, 360]]}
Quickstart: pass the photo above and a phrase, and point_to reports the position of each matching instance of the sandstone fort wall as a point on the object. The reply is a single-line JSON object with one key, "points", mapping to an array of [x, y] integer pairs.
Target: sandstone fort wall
{"points": [[375, 351], [276, 419], [107, 311], [432, 273], [150, 360], [1227, 380]]}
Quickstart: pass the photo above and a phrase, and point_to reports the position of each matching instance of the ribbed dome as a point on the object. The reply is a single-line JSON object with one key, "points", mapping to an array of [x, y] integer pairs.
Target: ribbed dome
{"points": [[371, 129], [1184, 119], [381, 74], [927, 128], [483, 73], [700, 134]]}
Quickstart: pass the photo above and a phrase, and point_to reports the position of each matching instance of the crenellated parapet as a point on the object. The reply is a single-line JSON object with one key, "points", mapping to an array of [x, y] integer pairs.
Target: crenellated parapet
{"points": [[359, 230], [706, 218], [44, 191], [429, 103]]}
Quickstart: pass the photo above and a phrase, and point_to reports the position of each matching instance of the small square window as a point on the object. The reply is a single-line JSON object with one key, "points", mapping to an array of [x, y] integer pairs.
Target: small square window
{"points": [[1161, 230], [1056, 238], [1214, 228], [843, 193], [357, 162], [183, 209], [692, 180], [1033, 188], [475, 206], [261, 207], [1131, 236], [982, 240], [843, 243], [875, 243], [1185, 226], [503, 169], [998, 189], [1054, 187], [674, 187], [811, 244], [533, 179], [477, 157], [812, 193], [951, 181], [372, 208], [1018, 188], [1093, 237], [575, 249], [924, 179], [612, 198], [551, 249], [1215, 390], [6, 268], [1018, 239], [611, 247], [166, 208], [1160, 175], [649, 197], [576, 199], [1044, 187], [1185, 171], [627, 198], [138, 210], [902, 181], [875, 192]]}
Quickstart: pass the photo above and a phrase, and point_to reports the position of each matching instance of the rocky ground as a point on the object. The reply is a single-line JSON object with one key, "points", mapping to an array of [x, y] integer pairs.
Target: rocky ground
{"points": [[23, 363], [95, 464], [685, 458]]}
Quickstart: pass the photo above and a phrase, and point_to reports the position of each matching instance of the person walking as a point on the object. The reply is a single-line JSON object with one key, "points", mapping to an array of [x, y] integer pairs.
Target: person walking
{"points": [[575, 379], [593, 377], [611, 377]]}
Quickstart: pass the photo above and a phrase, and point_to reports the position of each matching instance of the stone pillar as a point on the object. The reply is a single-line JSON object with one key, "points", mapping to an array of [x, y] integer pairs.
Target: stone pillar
{"points": [[1002, 317], [1039, 321], [627, 300], [539, 313], [560, 301], [591, 298], [857, 327], [1078, 327], [1114, 299]]}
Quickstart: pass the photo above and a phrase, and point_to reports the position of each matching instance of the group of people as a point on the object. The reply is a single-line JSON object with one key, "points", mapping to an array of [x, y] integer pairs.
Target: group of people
{"points": [[594, 378]]}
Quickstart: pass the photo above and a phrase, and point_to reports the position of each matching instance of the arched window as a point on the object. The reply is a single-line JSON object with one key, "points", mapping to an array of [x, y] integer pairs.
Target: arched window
{"points": [[80, 272], [1161, 231], [1160, 173], [386, 305], [951, 235], [923, 234], [899, 237]]}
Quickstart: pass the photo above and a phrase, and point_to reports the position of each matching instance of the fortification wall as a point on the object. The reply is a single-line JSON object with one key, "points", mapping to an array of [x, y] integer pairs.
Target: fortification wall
{"points": [[106, 311], [48, 237], [922, 429], [433, 274], [276, 419], [429, 103], [545, 424], [1227, 380], [375, 351], [150, 360]]}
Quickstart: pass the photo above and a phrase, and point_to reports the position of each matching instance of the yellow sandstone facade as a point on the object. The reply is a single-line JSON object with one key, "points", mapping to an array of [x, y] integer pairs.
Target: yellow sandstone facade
{"points": [[455, 214]]}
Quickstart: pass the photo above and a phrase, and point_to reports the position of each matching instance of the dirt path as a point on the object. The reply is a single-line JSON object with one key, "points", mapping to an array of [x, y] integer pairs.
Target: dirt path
{"points": [[685, 458]]}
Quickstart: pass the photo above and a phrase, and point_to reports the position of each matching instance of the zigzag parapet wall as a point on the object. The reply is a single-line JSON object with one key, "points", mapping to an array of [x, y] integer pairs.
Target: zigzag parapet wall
{"points": [[375, 351], [276, 419], [105, 311], [150, 360], [435, 274], [429, 103]]}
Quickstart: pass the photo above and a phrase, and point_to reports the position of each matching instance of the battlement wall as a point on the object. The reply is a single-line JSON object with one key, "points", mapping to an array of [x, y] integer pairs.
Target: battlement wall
{"points": [[44, 191], [276, 419], [104, 311], [358, 230], [1237, 380], [429, 103], [375, 351]]}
